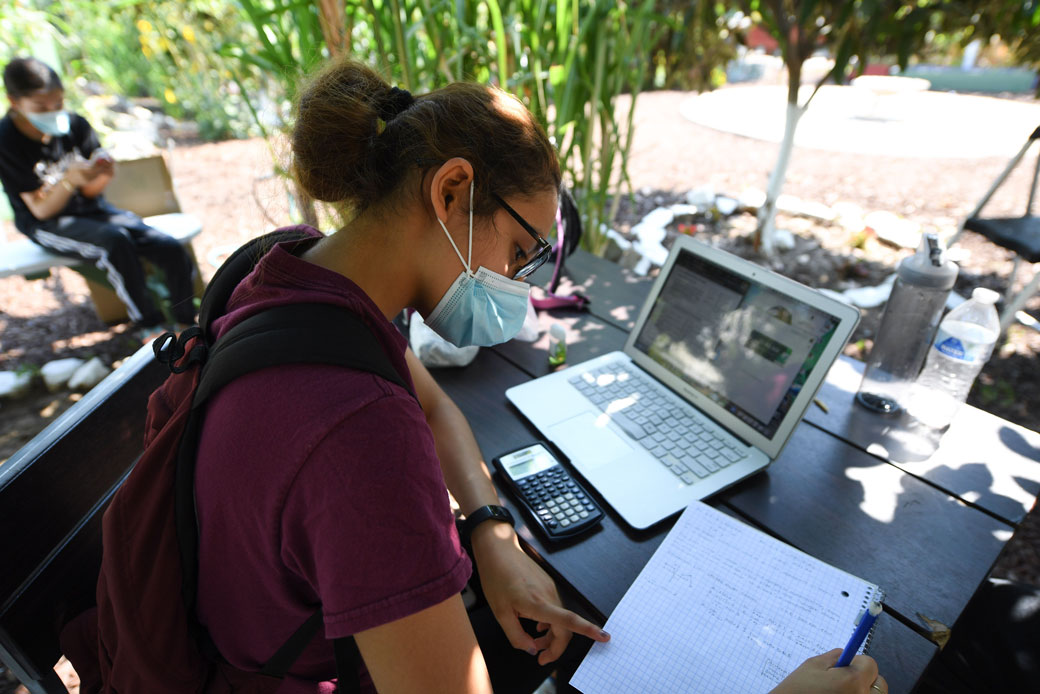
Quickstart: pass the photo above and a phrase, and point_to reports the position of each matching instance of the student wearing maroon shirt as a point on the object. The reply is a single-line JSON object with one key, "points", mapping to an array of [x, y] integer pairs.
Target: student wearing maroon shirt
{"points": [[323, 485]]}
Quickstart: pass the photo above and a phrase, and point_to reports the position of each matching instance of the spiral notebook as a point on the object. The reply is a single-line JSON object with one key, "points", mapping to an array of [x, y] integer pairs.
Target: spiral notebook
{"points": [[723, 607]]}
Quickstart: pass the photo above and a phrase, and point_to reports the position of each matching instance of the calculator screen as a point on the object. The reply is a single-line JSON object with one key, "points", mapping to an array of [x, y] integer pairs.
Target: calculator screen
{"points": [[528, 462]]}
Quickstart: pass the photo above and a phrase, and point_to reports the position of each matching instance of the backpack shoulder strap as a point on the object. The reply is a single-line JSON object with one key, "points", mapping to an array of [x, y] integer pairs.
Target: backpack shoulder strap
{"points": [[233, 270], [290, 334], [295, 334]]}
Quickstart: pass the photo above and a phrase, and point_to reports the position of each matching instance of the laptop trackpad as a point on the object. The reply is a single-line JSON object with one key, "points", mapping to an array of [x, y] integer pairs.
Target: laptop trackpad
{"points": [[587, 437]]}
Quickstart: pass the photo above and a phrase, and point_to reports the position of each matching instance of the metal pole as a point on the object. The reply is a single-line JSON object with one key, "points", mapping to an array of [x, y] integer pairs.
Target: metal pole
{"points": [[1032, 189], [996, 184]]}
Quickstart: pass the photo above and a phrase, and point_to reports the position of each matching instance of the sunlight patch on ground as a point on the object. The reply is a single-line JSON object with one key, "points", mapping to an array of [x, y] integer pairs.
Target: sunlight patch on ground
{"points": [[84, 340], [847, 119]]}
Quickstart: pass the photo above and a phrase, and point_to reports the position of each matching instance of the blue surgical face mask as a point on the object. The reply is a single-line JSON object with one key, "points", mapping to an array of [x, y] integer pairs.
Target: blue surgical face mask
{"points": [[50, 123], [480, 308]]}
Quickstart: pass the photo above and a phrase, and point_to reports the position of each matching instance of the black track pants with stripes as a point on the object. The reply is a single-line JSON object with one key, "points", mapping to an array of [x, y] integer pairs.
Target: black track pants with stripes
{"points": [[115, 241]]}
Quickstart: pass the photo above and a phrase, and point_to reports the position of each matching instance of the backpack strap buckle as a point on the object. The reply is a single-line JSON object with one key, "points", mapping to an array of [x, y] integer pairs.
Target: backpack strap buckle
{"points": [[169, 349]]}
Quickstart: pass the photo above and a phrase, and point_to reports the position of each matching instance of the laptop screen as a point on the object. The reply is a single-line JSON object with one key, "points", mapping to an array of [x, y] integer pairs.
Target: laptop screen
{"points": [[742, 344]]}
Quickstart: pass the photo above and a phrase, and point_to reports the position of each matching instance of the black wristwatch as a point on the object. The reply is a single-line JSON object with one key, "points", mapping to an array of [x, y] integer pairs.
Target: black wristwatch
{"points": [[484, 513]]}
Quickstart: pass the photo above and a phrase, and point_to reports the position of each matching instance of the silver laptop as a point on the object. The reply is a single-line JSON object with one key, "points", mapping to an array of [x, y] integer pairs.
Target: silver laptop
{"points": [[722, 362]]}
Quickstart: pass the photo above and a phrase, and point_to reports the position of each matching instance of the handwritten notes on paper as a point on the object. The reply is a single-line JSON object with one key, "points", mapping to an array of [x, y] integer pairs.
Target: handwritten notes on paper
{"points": [[722, 607]]}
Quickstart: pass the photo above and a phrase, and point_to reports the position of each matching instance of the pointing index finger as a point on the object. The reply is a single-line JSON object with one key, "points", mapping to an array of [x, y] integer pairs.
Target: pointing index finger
{"points": [[560, 617]]}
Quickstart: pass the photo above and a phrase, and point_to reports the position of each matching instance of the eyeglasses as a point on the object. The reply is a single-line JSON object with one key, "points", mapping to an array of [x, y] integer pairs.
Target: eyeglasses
{"points": [[544, 248]]}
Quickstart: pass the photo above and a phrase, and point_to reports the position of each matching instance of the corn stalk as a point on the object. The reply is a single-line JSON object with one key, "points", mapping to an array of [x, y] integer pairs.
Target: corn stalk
{"points": [[568, 60]]}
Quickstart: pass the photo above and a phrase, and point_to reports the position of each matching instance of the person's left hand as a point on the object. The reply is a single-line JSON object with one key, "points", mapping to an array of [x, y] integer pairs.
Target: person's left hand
{"points": [[102, 165], [515, 586]]}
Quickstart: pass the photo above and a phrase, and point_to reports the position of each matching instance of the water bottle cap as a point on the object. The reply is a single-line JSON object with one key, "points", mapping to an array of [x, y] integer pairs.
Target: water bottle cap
{"points": [[928, 267], [557, 331], [985, 296]]}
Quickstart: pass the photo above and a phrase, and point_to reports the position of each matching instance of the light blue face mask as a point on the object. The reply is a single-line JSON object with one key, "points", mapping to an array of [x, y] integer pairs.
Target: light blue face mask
{"points": [[50, 123], [480, 308]]}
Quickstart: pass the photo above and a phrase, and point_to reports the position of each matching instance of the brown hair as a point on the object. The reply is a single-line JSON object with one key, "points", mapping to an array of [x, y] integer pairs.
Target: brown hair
{"points": [[345, 153]]}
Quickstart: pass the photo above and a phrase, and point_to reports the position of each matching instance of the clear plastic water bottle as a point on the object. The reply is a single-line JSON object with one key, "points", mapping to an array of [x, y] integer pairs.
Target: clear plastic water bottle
{"points": [[912, 314], [961, 348]]}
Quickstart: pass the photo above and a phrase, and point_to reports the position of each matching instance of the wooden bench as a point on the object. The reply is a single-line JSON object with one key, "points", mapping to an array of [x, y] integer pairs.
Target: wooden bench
{"points": [[143, 186], [53, 493]]}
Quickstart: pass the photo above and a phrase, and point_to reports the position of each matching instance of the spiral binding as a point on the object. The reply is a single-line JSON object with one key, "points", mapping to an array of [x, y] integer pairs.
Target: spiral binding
{"points": [[877, 596]]}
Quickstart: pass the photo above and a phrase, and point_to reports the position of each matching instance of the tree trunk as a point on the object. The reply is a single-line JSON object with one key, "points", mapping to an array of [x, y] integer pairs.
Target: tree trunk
{"points": [[766, 231]]}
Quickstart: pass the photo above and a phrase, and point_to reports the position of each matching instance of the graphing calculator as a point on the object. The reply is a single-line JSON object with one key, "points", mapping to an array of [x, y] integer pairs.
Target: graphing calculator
{"points": [[550, 496]]}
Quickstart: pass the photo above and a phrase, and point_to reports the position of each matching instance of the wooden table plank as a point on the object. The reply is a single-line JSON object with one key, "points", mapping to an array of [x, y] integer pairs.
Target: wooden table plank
{"points": [[587, 337], [901, 656], [616, 294], [983, 460], [928, 551]]}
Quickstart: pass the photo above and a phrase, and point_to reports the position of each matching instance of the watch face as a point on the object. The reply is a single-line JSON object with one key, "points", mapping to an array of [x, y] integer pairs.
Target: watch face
{"points": [[501, 513]]}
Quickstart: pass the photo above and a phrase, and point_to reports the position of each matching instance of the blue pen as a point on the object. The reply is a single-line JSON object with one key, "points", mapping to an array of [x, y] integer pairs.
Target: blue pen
{"points": [[860, 635]]}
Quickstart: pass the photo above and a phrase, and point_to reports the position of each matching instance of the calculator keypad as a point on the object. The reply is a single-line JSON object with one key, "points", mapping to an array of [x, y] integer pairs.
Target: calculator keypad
{"points": [[556, 498]]}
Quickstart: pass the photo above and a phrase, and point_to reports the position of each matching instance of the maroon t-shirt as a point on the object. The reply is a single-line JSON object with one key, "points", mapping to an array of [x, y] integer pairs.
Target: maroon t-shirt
{"points": [[317, 485]]}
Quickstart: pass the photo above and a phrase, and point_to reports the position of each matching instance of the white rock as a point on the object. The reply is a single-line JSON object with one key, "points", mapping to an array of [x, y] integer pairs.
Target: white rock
{"points": [[14, 384], [703, 197], [833, 294], [642, 268], [726, 206], [789, 204], [623, 243], [649, 233], [958, 254], [58, 372], [849, 216], [752, 198], [89, 375], [847, 209], [894, 229], [651, 228], [681, 209], [870, 297], [783, 240]]}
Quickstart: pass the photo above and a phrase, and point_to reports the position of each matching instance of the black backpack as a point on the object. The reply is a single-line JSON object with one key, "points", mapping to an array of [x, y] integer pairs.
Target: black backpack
{"points": [[150, 641]]}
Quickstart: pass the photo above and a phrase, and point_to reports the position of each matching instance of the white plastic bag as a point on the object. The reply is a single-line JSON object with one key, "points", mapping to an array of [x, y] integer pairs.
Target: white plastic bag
{"points": [[432, 349], [530, 331]]}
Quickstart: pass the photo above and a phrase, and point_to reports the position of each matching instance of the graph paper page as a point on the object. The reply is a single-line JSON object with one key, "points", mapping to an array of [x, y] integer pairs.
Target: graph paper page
{"points": [[722, 607]]}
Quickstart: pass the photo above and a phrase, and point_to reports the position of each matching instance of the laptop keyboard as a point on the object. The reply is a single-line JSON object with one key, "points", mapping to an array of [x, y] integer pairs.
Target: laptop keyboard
{"points": [[674, 433]]}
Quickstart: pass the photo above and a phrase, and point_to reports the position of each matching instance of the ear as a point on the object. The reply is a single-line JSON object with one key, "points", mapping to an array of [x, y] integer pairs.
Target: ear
{"points": [[449, 188]]}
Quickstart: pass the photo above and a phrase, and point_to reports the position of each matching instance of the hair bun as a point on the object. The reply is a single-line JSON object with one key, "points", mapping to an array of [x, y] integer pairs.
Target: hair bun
{"points": [[395, 101]]}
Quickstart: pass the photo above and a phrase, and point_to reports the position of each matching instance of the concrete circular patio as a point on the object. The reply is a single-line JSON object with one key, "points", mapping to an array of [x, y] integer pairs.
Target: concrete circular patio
{"points": [[860, 120]]}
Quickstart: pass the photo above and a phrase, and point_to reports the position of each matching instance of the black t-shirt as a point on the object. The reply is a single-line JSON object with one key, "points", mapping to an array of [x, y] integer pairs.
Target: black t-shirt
{"points": [[27, 165]]}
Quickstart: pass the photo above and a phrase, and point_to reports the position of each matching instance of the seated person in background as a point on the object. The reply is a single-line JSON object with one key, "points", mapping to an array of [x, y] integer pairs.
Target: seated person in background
{"points": [[54, 171]]}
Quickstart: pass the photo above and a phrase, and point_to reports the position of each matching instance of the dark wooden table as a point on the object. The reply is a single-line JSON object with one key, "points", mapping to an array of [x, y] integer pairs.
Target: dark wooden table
{"points": [[843, 490]]}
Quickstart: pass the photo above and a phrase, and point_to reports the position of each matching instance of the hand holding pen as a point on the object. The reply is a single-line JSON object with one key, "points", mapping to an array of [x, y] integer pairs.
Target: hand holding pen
{"points": [[840, 671]]}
